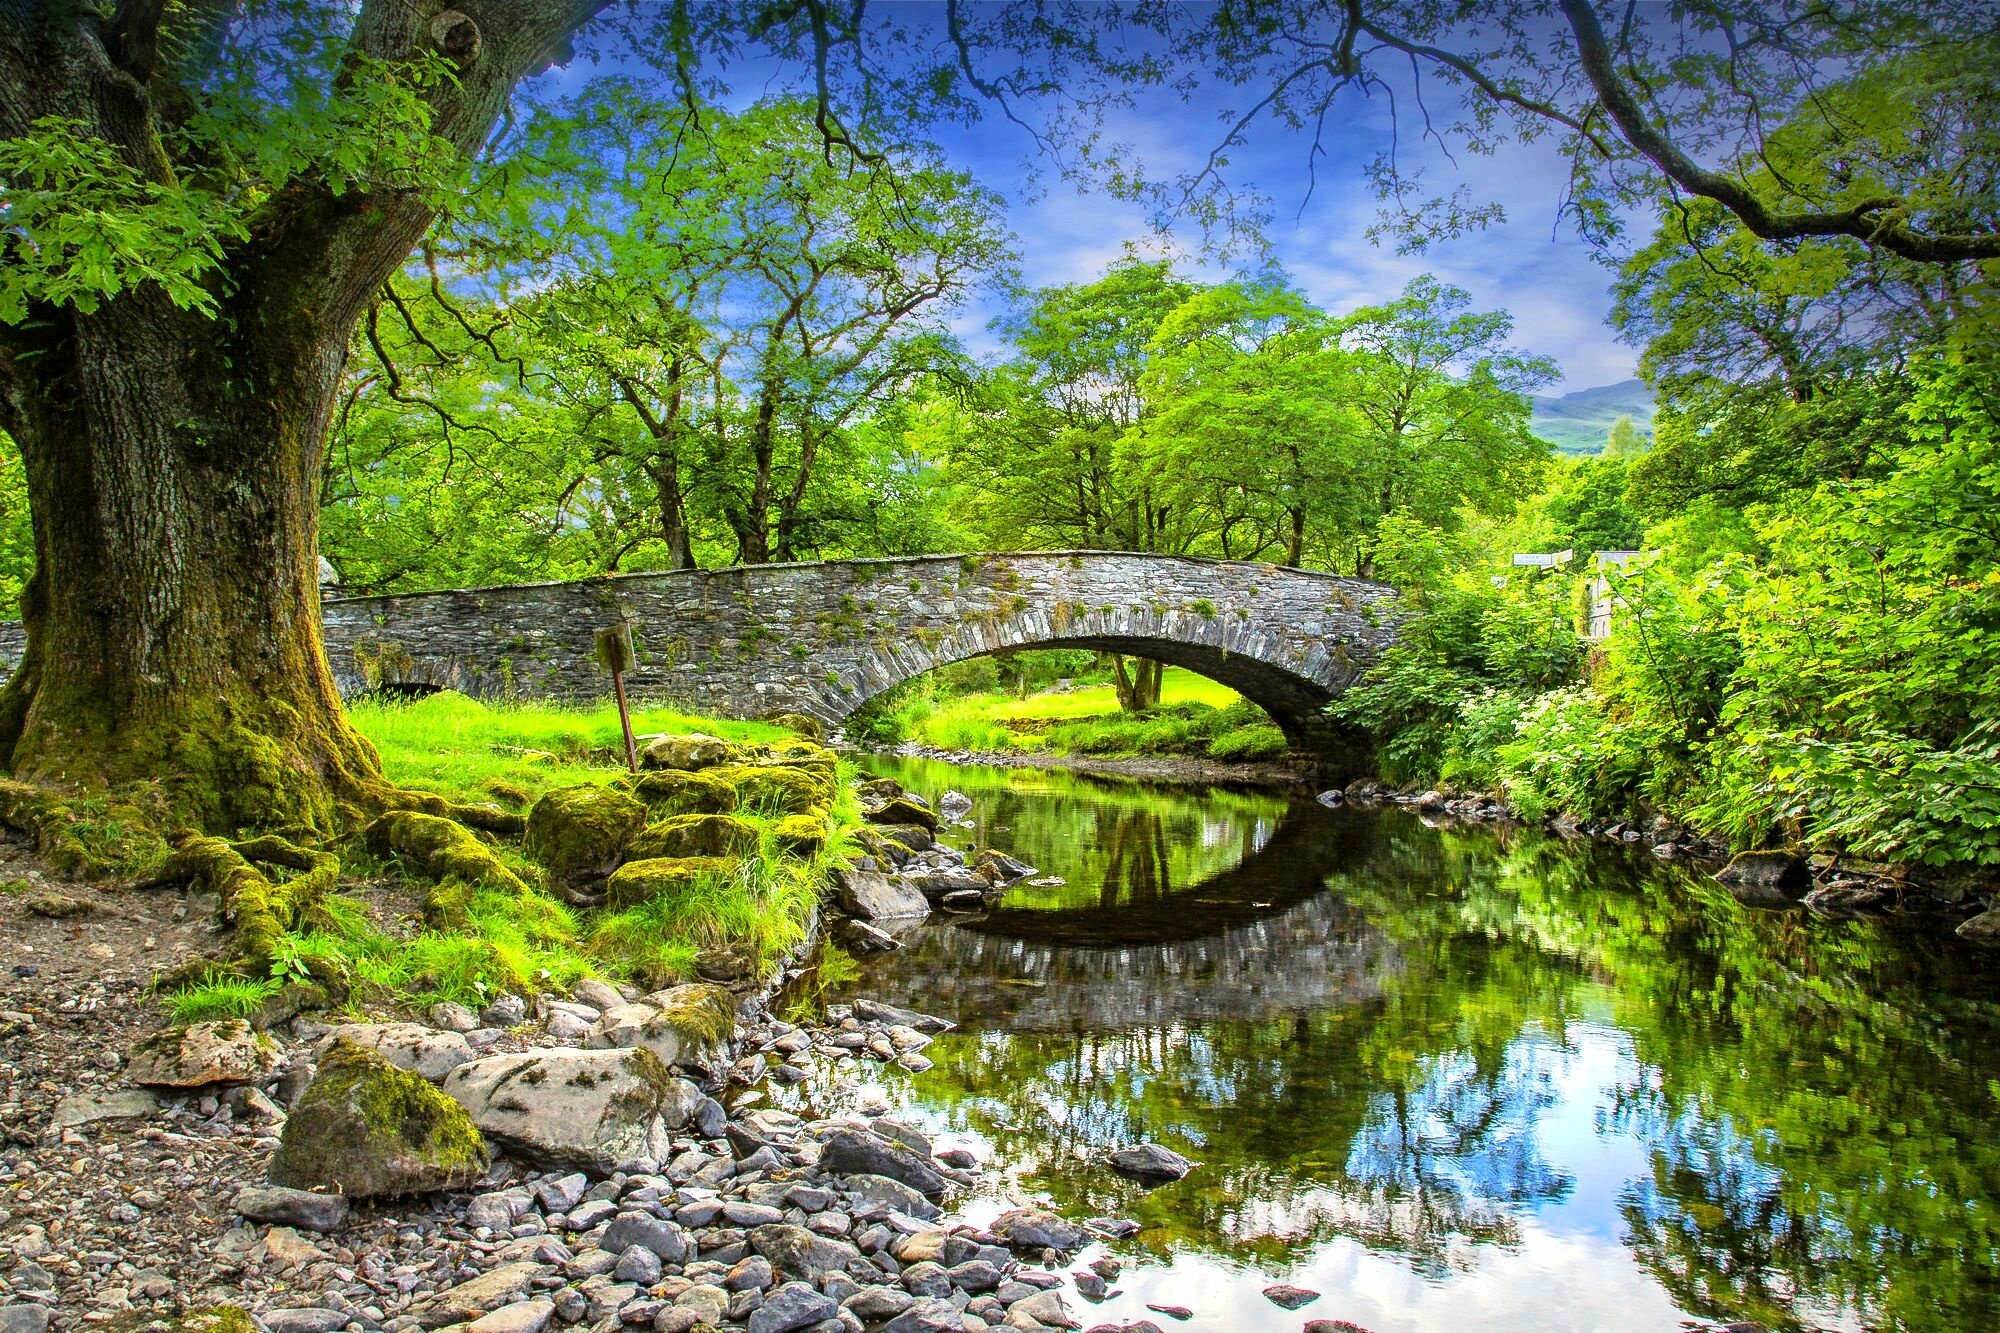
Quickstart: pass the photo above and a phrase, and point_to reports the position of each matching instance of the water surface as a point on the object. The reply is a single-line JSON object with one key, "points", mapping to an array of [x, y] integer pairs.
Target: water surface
{"points": [[1454, 1079]]}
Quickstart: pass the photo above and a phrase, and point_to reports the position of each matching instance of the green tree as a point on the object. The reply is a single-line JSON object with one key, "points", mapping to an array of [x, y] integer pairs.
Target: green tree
{"points": [[1624, 442]]}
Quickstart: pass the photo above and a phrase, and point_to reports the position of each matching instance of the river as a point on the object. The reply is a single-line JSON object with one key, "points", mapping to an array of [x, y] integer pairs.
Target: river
{"points": [[1450, 1078]]}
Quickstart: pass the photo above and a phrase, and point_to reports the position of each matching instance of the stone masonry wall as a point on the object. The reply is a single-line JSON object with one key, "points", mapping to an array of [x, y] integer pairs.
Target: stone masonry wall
{"points": [[821, 638]]}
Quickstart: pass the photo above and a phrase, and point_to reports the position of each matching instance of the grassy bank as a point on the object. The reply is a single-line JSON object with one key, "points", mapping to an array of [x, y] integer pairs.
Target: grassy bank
{"points": [[375, 939], [1196, 717]]}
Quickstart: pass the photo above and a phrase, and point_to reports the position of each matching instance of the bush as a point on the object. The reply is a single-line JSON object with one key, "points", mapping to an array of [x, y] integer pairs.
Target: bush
{"points": [[1570, 755]]}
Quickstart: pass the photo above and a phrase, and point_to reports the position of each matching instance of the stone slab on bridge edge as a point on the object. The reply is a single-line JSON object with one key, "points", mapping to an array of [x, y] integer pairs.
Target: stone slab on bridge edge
{"points": [[823, 637]]}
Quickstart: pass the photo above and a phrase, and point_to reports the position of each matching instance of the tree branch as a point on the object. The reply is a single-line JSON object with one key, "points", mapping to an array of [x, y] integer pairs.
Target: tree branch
{"points": [[1870, 220]]}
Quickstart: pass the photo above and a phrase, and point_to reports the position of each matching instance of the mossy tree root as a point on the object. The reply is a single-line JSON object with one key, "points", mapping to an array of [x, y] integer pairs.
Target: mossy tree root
{"points": [[41, 815], [262, 910], [448, 854], [491, 818]]}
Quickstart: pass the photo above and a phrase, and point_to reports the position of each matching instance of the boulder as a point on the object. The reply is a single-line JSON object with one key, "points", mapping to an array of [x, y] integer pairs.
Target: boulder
{"points": [[1149, 1162], [580, 833], [1036, 1229], [799, 724], [801, 836], [663, 877], [693, 751], [365, 1128], [777, 789], [938, 885], [412, 1046], [663, 1239], [686, 1025], [583, 1110], [874, 896], [1982, 929], [1000, 869], [228, 1051], [857, 1152], [954, 805], [904, 810], [1767, 870], [474, 1297], [679, 792], [874, 1011], [902, 840], [695, 835]]}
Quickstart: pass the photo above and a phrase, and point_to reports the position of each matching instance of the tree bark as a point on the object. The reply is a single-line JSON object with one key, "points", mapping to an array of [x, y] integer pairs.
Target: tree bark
{"points": [[174, 649]]}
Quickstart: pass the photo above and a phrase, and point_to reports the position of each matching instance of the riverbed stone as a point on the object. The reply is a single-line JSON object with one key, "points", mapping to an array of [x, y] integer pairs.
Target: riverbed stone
{"points": [[302, 1209], [874, 896], [1288, 1297], [862, 1152], [790, 1308], [795, 1252], [423, 1051], [1036, 1229], [689, 1025], [1767, 870], [1149, 1163], [198, 1054], [586, 1110], [365, 1128]]}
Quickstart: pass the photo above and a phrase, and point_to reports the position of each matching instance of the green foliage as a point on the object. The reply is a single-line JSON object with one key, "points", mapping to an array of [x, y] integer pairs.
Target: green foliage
{"points": [[220, 995], [1249, 744]]}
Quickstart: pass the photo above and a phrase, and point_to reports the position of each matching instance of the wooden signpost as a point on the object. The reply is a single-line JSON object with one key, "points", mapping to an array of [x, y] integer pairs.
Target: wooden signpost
{"points": [[614, 650]]}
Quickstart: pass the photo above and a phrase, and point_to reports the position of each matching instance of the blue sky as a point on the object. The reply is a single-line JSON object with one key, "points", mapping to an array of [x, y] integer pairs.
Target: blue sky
{"points": [[1530, 264]]}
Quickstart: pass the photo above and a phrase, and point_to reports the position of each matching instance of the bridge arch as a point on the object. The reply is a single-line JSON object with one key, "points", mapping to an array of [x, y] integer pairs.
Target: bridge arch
{"points": [[824, 637]]}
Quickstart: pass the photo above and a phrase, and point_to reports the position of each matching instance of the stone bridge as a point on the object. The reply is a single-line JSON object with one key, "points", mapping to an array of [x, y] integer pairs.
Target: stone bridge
{"points": [[822, 638]]}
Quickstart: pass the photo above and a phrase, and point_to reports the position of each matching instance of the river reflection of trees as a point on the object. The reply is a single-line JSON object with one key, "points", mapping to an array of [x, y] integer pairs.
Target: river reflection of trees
{"points": [[1394, 1060]]}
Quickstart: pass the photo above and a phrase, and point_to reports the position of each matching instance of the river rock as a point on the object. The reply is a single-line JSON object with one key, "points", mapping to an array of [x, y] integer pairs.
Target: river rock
{"points": [[412, 1046], [665, 1240], [874, 896], [1036, 1229], [902, 1198], [1287, 1297], [586, 1110], [24, 1317], [88, 1108], [1982, 929], [858, 1152], [792, 1307], [954, 805], [468, 1300], [692, 751], [365, 1128], [1046, 1308], [302, 1209], [904, 810], [579, 833], [520, 1317], [228, 1051], [1766, 870], [1150, 1162], [874, 1011], [797, 1253], [942, 884], [1000, 869], [927, 1316], [683, 1025]]}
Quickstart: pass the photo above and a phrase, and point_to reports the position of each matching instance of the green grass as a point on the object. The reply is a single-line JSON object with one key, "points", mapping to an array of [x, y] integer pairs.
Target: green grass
{"points": [[531, 942], [220, 996], [463, 749]]}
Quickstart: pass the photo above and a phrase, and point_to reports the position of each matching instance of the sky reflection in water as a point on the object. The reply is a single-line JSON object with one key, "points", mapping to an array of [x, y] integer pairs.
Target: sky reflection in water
{"points": [[1454, 1080]]}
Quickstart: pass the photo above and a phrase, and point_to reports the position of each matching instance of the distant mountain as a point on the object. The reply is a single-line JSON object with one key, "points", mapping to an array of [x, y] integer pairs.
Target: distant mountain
{"points": [[1578, 422]]}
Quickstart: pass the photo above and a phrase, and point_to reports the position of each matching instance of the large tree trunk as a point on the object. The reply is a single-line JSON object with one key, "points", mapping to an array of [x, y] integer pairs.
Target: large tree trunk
{"points": [[1138, 684], [173, 627], [173, 646]]}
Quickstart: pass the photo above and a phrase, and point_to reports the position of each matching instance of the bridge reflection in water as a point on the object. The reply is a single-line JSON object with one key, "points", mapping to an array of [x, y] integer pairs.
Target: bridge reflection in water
{"points": [[1257, 940]]}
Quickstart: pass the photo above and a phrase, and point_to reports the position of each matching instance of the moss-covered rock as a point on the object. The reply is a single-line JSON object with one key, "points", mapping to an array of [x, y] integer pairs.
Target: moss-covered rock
{"points": [[446, 851], [904, 811], [694, 751], [802, 724], [776, 790], [800, 835], [886, 850], [663, 877], [684, 1025], [580, 833], [366, 1129], [671, 791], [201, 1319], [695, 835]]}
